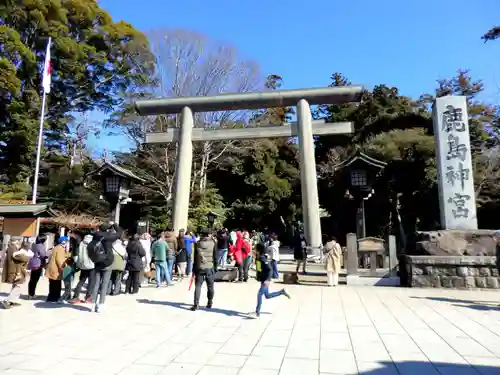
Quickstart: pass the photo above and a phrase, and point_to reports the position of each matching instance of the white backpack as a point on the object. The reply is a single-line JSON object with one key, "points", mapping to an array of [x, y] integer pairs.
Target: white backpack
{"points": [[84, 262]]}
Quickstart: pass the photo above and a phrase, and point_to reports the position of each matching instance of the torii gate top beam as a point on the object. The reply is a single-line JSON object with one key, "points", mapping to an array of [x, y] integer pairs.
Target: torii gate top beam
{"points": [[250, 100]]}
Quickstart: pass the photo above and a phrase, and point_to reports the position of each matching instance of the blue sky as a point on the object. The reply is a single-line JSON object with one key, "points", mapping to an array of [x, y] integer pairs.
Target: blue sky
{"points": [[401, 43]]}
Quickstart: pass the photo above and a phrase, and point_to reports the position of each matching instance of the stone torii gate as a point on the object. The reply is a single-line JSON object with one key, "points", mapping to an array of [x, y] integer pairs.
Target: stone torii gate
{"points": [[305, 129]]}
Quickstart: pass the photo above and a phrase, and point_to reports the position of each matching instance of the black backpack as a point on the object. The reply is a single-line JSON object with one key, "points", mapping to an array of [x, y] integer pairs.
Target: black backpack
{"points": [[99, 255]]}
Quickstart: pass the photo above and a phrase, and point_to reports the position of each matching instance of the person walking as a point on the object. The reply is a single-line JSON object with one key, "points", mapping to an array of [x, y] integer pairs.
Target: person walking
{"points": [[100, 251], [274, 248], [265, 279], [86, 267], [69, 270], [135, 253], [204, 268], [299, 252], [333, 253], [181, 256], [172, 242], [240, 252], [145, 240], [189, 241], [117, 267], [55, 269], [233, 237], [159, 250], [222, 247], [14, 270], [37, 263]]}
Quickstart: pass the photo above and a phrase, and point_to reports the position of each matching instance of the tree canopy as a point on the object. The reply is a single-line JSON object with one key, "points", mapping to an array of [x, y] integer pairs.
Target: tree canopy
{"points": [[93, 60]]}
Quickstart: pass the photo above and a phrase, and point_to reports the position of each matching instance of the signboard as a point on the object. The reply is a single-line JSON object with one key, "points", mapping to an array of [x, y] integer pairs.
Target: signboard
{"points": [[370, 244], [20, 227], [457, 201]]}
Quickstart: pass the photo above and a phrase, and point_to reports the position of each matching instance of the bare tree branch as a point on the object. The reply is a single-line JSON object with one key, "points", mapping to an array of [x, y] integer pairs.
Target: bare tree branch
{"points": [[190, 64]]}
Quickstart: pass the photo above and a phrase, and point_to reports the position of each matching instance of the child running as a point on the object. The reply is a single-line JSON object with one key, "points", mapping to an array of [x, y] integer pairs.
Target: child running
{"points": [[265, 274]]}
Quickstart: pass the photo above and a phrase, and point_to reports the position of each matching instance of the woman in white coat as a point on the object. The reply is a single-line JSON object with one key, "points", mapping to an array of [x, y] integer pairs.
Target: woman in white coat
{"points": [[333, 253], [145, 241]]}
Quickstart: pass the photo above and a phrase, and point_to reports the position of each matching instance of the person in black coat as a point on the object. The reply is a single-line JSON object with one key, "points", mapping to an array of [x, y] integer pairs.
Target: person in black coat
{"points": [[299, 252], [135, 253]]}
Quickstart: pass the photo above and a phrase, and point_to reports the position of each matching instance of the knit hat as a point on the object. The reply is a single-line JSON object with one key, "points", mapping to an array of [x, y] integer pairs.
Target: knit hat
{"points": [[62, 239]]}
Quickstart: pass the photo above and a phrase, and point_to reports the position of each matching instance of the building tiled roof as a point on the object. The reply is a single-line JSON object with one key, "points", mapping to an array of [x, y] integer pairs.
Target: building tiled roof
{"points": [[116, 169], [39, 209]]}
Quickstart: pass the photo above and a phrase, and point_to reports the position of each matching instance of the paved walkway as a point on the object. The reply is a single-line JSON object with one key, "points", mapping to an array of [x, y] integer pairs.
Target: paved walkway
{"points": [[343, 330]]}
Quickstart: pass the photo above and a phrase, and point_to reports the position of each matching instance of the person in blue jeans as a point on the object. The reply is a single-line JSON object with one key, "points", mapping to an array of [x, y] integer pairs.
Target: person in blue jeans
{"points": [[189, 241], [222, 247], [265, 279], [172, 247], [159, 255]]}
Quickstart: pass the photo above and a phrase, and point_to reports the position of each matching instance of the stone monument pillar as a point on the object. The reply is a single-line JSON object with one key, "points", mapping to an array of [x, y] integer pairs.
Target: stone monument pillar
{"points": [[454, 163]]}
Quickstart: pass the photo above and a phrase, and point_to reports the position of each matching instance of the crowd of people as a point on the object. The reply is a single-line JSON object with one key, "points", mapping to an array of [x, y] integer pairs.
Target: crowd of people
{"points": [[109, 262]]}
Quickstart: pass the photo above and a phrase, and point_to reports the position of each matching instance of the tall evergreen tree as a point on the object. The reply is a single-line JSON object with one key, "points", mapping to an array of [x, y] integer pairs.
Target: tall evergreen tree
{"points": [[93, 59]]}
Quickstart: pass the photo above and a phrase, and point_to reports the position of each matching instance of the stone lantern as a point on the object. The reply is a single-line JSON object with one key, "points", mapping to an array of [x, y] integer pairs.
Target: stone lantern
{"points": [[361, 172], [211, 219]]}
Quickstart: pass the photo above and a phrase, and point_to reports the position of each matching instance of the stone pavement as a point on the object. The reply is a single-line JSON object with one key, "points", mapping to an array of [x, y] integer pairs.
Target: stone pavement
{"points": [[343, 330]]}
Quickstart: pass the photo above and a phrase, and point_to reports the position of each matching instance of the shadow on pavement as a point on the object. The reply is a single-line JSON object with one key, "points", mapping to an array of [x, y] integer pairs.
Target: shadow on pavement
{"points": [[184, 306], [52, 305], [474, 305], [427, 368], [36, 298], [480, 307]]}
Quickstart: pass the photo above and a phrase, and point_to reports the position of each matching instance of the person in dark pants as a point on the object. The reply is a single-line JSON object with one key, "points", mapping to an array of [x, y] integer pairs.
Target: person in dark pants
{"points": [[204, 268], [68, 277], [36, 263], [240, 251], [100, 250], [180, 256], [299, 252], [189, 241], [86, 267], [222, 247], [135, 253], [117, 267], [54, 270]]}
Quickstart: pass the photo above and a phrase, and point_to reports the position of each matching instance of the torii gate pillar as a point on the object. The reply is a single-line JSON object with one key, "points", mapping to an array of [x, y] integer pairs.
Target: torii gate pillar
{"points": [[304, 129], [183, 168]]}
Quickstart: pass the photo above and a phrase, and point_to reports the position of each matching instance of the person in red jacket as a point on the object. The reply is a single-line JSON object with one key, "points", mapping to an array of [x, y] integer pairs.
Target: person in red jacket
{"points": [[240, 251]]}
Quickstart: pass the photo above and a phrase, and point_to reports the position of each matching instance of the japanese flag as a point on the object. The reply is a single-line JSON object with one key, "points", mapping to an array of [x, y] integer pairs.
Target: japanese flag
{"points": [[46, 70]]}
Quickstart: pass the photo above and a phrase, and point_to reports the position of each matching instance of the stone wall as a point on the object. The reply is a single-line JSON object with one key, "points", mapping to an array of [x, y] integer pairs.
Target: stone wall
{"points": [[460, 272]]}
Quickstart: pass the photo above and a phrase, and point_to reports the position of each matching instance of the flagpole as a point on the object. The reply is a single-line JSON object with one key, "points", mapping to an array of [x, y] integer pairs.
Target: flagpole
{"points": [[46, 90], [38, 151]]}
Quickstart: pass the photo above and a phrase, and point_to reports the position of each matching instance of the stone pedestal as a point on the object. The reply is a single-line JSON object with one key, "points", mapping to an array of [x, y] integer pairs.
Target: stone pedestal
{"points": [[453, 243], [352, 254], [469, 272]]}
